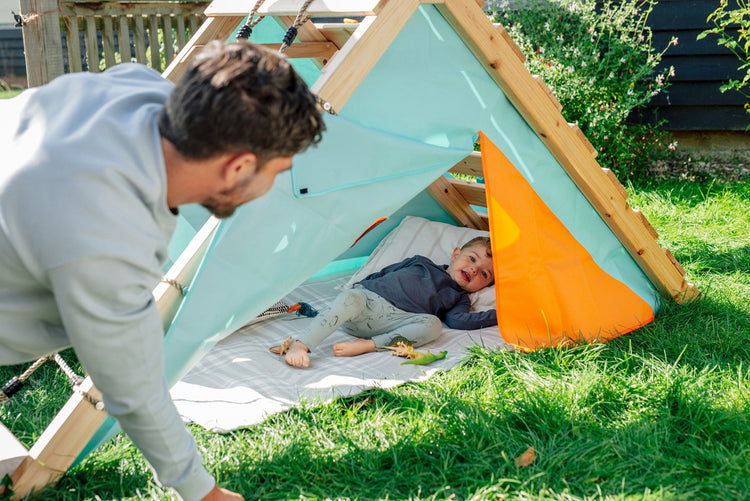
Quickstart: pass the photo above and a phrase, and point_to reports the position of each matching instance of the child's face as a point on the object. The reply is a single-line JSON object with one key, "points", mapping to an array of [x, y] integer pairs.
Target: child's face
{"points": [[471, 268]]}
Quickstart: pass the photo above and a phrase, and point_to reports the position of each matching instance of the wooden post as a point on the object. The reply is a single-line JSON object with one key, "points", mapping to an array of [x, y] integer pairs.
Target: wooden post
{"points": [[42, 41]]}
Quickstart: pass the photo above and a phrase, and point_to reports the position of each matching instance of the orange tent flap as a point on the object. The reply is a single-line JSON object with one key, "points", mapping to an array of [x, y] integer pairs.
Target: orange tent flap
{"points": [[549, 290]]}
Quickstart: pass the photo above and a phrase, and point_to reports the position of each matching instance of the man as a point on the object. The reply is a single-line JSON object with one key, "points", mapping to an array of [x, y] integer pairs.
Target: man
{"points": [[93, 170]]}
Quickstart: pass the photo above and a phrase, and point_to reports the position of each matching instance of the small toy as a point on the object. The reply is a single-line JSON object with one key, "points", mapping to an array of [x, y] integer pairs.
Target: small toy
{"points": [[283, 347], [406, 350], [303, 310]]}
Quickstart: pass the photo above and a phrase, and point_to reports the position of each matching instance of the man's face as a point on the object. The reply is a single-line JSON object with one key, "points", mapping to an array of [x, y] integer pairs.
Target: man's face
{"points": [[471, 268], [249, 187]]}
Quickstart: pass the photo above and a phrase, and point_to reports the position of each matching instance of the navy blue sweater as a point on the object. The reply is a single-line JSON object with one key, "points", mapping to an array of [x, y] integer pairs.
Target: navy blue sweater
{"points": [[418, 285]]}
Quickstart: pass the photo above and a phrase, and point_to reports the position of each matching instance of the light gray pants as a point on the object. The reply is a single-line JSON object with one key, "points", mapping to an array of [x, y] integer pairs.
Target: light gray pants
{"points": [[366, 315]]}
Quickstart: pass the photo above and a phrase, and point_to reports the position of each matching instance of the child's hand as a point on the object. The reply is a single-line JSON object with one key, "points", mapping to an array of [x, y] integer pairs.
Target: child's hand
{"points": [[297, 355]]}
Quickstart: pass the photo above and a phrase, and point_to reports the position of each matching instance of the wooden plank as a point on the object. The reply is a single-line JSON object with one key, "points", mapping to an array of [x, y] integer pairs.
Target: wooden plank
{"points": [[169, 298], [583, 139], [324, 50], [291, 8], [470, 166], [123, 39], [92, 48], [506, 36], [180, 33], [74, 46], [168, 39], [42, 41], [530, 100], [549, 92], [60, 443], [338, 33], [306, 33], [195, 22], [108, 41], [616, 183], [651, 229], [472, 192], [12, 452], [131, 8], [446, 195], [77, 422], [139, 39], [153, 41], [215, 28], [349, 66]]}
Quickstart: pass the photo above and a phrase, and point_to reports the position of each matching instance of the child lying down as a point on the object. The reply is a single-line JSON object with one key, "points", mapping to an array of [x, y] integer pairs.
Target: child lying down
{"points": [[407, 300]]}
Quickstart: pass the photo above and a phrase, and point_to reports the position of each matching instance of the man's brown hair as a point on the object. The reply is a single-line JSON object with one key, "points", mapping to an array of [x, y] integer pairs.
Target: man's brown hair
{"points": [[240, 97]]}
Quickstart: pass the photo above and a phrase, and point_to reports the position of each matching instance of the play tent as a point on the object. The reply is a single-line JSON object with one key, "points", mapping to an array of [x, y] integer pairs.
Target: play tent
{"points": [[413, 87]]}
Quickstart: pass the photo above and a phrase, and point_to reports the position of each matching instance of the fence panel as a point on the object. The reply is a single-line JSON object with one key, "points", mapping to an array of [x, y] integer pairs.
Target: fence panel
{"points": [[98, 35]]}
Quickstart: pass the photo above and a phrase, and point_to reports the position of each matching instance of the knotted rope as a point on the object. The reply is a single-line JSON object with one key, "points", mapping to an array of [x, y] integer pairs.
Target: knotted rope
{"points": [[246, 30]]}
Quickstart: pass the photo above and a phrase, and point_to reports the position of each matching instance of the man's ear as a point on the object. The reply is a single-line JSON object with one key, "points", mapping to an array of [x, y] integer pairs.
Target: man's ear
{"points": [[239, 166]]}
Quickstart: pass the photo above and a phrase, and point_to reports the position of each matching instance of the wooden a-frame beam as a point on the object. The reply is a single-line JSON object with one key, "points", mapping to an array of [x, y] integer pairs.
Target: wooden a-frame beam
{"points": [[498, 57]]}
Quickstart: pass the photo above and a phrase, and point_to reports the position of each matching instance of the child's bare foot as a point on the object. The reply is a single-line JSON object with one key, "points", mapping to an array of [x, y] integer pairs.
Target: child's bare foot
{"points": [[354, 348], [297, 355]]}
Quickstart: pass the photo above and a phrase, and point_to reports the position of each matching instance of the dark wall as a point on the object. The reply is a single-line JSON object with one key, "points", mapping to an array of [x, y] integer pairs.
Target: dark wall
{"points": [[694, 101], [12, 62]]}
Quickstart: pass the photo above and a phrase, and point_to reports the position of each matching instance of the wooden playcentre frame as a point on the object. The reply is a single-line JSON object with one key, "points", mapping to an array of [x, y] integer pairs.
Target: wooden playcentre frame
{"points": [[345, 52]]}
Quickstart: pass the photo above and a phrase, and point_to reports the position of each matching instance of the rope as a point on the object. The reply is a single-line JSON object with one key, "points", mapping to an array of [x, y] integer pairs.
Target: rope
{"points": [[246, 30], [22, 19], [16, 383], [291, 33]]}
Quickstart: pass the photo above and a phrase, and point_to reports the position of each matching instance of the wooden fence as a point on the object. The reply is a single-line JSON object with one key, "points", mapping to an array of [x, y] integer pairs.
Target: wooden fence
{"points": [[112, 32]]}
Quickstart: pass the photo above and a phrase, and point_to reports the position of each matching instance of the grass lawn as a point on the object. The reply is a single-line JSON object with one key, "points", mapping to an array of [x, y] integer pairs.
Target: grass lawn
{"points": [[7, 94], [660, 414]]}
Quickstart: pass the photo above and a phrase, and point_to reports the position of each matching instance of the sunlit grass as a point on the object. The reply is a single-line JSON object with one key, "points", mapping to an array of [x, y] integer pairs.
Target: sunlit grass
{"points": [[662, 413]]}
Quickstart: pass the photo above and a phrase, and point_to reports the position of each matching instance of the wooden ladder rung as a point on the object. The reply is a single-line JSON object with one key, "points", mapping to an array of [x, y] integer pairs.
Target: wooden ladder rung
{"points": [[549, 92], [506, 36], [650, 228], [472, 192], [338, 33], [584, 140], [470, 166], [300, 50], [446, 195], [677, 265], [616, 183]]}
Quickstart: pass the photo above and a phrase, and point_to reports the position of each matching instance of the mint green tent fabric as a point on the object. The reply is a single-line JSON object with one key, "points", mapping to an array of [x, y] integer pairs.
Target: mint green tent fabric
{"points": [[416, 113]]}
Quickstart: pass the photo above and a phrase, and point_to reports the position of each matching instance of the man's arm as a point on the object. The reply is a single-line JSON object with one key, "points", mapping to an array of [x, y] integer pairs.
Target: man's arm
{"points": [[111, 319]]}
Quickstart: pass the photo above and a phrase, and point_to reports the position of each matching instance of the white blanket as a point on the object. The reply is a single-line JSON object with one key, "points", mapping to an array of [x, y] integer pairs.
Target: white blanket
{"points": [[240, 382]]}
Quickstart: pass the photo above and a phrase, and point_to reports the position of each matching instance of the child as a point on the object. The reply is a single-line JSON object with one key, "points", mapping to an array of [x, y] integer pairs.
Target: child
{"points": [[404, 300]]}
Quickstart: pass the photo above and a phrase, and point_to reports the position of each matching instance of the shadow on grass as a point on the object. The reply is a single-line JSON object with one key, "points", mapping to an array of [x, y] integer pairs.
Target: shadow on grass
{"points": [[468, 451], [706, 258], [709, 332], [597, 438]]}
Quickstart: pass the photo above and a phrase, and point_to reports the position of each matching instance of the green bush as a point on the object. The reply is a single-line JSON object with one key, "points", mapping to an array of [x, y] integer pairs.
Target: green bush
{"points": [[724, 20], [599, 61]]}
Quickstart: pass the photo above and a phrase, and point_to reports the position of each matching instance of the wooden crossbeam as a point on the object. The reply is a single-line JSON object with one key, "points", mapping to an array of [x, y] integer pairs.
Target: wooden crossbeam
{"points": [[297, 50], [470, 166], [473, 193], [291, 8], [448, 197], [337, 33]]}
